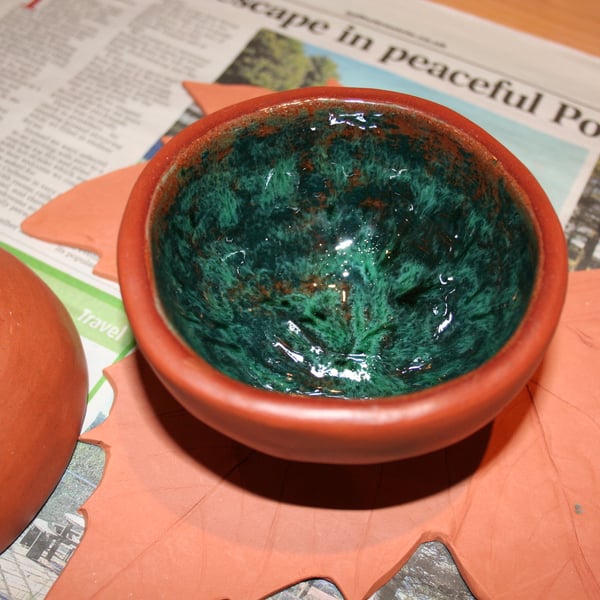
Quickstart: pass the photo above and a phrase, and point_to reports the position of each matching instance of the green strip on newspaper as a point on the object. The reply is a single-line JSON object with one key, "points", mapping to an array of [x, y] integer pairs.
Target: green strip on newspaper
{"points": [[98, 316]]}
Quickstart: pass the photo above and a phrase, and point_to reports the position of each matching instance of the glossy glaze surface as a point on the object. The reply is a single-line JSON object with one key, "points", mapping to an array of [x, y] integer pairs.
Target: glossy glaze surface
{"points": [[343, 252]]}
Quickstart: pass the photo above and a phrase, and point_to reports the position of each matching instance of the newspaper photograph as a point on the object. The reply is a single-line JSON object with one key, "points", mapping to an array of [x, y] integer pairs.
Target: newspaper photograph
{"points": [[90, 87]]}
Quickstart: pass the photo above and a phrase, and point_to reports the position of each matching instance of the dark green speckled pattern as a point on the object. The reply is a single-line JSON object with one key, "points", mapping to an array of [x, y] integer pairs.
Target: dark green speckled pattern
{"points": [[341, 254]]}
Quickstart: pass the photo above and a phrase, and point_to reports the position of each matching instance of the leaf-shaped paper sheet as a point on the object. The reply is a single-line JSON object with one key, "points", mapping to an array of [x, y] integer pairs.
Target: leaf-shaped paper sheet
{"points": [[213, 96], [185, 512], [100, 201]]}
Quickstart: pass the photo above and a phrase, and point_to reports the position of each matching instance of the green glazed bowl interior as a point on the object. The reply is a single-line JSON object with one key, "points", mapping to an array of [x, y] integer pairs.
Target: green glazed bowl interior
{"points": [[343, 250], [341, 275]]}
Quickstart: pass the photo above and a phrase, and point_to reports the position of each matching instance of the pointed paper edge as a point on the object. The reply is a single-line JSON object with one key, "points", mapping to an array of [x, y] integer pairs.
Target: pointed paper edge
{"points": [[101, 200]]}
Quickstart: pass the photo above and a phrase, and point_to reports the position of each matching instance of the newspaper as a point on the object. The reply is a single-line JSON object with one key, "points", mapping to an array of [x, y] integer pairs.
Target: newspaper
{"points": [[90, 87]]}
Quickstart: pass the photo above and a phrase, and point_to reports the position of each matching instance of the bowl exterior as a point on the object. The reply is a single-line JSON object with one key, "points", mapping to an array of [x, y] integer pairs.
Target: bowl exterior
{"points": [[43, 394], [335, 430]]}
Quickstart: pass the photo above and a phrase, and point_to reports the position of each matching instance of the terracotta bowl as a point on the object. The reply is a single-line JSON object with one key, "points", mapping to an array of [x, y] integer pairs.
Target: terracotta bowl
{"points": [[43, 393], [341, 275]]}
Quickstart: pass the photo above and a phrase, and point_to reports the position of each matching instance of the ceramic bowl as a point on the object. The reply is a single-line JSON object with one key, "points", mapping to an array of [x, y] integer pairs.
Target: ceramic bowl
{"points": [[341, 275], [43, 394]]}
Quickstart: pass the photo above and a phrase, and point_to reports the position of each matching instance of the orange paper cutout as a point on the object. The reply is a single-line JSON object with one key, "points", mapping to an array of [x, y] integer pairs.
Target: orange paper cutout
{"points": [[185, 512], [213, 96], [88, 217]]}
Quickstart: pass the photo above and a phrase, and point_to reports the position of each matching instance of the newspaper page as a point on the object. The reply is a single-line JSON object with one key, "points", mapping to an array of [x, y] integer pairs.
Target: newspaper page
{"points": [[90, 87]]}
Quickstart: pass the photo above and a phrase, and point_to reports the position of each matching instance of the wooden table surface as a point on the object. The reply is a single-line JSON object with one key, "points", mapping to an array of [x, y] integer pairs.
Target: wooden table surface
{"points": [[575, 23]]}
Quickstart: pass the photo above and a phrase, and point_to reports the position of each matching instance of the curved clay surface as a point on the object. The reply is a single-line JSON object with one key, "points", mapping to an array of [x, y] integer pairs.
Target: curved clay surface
{"points": [[43, 391]]}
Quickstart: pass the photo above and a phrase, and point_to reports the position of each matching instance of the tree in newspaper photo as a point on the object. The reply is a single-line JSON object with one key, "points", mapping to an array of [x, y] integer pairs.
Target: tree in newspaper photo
{"points": [[277, 62]]}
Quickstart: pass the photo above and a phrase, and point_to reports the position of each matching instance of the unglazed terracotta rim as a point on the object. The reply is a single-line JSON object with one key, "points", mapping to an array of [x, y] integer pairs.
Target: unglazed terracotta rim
{"points": [[330, 429]]}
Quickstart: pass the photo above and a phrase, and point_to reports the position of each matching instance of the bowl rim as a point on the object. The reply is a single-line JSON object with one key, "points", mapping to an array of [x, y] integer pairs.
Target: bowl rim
{"points": [[458, 399]]}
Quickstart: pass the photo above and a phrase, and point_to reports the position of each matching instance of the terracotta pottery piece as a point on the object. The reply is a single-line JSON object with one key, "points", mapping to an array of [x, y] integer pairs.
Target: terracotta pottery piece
{"points": [[341, 275], [43, 391]]}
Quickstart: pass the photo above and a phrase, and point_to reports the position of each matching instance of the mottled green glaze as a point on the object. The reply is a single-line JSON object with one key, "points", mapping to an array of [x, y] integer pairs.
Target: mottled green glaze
{"points": [[343, 253]]}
